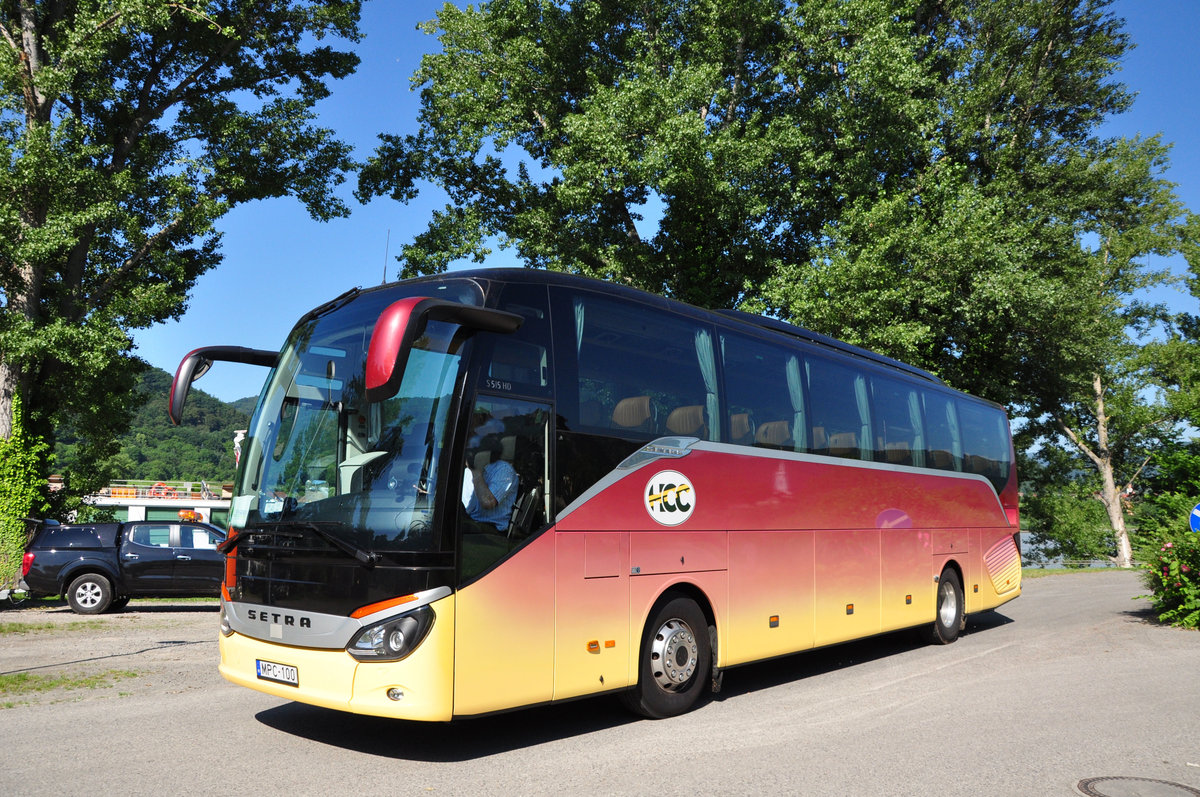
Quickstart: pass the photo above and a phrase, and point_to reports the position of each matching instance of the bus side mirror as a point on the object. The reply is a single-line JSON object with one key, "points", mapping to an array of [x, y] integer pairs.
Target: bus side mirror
{"points": [[196, 363], [404, 321]]}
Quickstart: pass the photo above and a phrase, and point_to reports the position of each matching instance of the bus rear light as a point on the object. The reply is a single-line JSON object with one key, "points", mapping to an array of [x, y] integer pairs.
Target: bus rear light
{"points": [[1014, 516], [392, 639]]}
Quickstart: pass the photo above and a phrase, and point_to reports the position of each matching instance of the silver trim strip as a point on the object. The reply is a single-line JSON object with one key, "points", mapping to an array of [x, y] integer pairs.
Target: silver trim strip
{"points": [[676, 447], [314, 629]]}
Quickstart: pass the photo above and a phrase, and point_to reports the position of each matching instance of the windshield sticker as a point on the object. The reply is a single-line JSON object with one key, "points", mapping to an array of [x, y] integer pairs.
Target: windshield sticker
{"points": [[670, 497]]}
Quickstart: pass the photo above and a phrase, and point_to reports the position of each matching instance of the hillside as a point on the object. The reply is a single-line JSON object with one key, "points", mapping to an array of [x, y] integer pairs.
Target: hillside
{"points": [[201, 448]]}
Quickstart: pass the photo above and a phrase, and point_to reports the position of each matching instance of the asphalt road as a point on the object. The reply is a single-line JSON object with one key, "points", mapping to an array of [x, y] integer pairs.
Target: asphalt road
{"points": [[1071, 681]]}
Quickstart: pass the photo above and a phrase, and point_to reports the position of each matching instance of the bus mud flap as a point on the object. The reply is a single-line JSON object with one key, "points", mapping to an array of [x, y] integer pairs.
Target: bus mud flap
{"points": [[718, 675]]}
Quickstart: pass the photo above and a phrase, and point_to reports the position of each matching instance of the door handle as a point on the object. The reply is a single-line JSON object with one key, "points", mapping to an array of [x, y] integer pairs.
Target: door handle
{"points": [[130, 556], [183, 558]]}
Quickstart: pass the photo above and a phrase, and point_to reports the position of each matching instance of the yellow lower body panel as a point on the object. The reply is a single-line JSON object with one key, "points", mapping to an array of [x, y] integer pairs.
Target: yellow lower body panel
{"points": [[333, 679]]}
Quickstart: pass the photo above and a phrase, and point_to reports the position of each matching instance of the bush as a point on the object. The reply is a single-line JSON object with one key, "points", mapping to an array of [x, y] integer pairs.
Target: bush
{"points": [[1173, 576], [21, 482]]}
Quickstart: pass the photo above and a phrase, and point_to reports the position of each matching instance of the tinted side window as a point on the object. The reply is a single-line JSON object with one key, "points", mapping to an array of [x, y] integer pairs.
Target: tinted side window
{"points": [[841, 412], [985, 442], [639, 374], [764, 393], [899, 427], [943, 440]]}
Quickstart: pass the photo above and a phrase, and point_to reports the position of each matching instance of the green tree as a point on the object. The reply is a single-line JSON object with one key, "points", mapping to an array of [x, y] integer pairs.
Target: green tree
{"points": [[127, 128], [1012, 264], [1172, 489], [687, 148]]}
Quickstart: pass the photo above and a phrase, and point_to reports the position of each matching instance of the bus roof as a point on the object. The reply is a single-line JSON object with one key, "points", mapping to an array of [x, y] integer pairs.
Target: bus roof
{"points": [[722, 316]]}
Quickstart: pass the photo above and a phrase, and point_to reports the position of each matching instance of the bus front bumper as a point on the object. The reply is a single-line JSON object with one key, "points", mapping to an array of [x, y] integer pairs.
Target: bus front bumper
{"points": [[418, 687]]}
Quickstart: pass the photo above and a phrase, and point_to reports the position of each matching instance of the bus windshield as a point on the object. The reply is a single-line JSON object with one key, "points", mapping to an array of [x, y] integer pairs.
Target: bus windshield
{"points": [[320, 457]]}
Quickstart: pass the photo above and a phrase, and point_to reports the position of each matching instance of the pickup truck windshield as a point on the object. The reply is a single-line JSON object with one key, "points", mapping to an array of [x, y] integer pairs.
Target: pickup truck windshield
{"points": [[319, 455]]}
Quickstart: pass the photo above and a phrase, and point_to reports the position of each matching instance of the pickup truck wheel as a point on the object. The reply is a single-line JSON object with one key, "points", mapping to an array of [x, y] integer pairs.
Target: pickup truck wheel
{"points": [[89, 594]]}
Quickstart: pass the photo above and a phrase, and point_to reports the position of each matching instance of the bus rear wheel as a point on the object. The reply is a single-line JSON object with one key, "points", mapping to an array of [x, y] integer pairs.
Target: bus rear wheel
{"points": [[675, 660], [950, 618]]}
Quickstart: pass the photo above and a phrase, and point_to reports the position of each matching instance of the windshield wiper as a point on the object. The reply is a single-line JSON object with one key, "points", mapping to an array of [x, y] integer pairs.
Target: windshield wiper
{"points": [[367, 558]]}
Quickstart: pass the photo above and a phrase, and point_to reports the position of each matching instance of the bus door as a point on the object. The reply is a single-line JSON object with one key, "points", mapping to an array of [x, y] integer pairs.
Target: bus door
{"points": [[504, 613]]}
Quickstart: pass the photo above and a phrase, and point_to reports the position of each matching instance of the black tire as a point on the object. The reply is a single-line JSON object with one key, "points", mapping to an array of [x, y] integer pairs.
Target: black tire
{"points": [[950, 619], [675, 661], [91, 593]]}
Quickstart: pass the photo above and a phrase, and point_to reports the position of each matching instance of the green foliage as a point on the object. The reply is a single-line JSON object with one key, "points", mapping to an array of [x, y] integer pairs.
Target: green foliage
{"points": [[20, 492], [1173, 577], [1069, 524], [126, 130], [1172, 489], [201, 448], [687, 148]]}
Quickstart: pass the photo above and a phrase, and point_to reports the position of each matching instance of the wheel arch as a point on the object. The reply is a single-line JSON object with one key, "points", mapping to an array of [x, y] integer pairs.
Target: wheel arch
{"points": [[86, 567], [684, 589], [952, 564]]}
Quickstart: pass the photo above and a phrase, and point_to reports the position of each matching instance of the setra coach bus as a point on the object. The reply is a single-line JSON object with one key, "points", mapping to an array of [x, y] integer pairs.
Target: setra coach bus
{"points": [[497, 488]]}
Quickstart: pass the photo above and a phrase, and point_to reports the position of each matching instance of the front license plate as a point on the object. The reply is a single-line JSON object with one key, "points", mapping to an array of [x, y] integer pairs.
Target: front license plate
{"points": [[279, 673]]}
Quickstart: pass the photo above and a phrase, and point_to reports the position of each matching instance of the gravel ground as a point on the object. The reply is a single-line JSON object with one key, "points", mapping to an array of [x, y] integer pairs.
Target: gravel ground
{"points": [[151, 647]]}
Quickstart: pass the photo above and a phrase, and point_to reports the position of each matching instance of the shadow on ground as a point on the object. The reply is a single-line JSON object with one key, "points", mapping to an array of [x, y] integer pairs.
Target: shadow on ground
{"points": [[469, 739]]}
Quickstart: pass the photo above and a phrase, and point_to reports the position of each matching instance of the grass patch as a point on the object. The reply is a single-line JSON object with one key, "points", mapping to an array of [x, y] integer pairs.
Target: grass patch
{"points": [[212, 599], [32, 628], [1042, 572], [24, 683]]}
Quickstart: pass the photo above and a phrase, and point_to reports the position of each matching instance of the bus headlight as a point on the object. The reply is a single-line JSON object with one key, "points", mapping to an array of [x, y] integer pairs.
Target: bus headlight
{"points": [[392, 639]]}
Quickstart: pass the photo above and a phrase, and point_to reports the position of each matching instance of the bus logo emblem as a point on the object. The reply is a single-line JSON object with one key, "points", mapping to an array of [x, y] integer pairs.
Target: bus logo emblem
{"points": [[670, 498]]}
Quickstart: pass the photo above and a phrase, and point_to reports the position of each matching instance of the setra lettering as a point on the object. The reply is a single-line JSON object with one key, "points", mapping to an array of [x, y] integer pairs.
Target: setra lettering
{"points": [[278, 618]]}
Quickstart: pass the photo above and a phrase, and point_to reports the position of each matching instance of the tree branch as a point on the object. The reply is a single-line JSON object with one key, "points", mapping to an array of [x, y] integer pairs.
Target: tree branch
{"points": [[110, 283], [1074, 438], [8, 38]]}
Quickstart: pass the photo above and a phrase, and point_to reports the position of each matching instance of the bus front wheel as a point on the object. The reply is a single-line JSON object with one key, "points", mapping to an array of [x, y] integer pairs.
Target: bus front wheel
{"points": [[675, 660], [949, 619]]}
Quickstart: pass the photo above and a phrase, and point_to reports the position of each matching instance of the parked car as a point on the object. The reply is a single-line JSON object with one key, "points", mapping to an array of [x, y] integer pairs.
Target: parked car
{"points": [[100, 566]]}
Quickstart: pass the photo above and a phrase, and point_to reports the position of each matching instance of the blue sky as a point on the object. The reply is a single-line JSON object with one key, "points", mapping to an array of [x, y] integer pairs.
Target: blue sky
{"points": [[278, 263]]}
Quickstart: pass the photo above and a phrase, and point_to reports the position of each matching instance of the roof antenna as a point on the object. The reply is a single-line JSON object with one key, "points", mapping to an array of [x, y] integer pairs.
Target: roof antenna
{"points": [[386, 246]]}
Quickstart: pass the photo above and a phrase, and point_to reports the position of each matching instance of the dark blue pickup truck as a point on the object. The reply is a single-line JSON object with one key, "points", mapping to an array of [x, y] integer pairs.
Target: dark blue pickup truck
{"points": [[100, 566]]}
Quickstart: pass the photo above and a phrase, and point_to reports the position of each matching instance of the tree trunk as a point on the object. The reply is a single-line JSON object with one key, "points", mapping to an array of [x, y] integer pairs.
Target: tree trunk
{"points": [[1111, 497], [1101, 457], [8, 389]]}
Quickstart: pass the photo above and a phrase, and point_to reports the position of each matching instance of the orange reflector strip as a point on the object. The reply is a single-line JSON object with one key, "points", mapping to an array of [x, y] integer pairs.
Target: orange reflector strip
{"points": [[593, 646], [371, 608], [610, 643]]}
